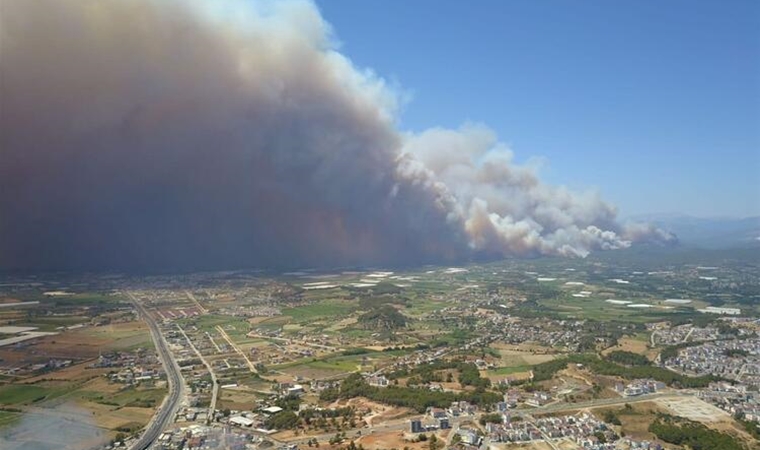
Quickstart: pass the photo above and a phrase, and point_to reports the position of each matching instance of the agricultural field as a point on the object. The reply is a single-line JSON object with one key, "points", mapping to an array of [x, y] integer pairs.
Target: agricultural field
{"points": [[60, 372]]}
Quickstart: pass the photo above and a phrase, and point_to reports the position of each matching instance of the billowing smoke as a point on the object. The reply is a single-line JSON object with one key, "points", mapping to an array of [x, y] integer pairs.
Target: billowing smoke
{"points": [[200, 134]]}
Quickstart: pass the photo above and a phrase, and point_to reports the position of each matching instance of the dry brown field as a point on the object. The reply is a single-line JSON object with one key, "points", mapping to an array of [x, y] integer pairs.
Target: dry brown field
{"points": [[630, 344], [73, 374], [395, 439], [111, 418], [236, 399]]}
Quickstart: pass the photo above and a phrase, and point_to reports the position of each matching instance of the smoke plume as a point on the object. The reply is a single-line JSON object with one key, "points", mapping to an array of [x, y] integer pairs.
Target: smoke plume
{"points": [[183, 134]]}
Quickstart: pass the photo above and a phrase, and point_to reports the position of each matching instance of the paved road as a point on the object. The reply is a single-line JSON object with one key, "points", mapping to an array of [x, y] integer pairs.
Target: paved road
{"points": [[192, 297], [168, 408], [236, 348], [688, 335], [214, 382], [545, 437], [564, 406]]}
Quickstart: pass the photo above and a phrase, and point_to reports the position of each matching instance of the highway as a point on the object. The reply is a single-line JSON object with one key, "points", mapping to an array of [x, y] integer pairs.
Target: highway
{"points": [[165, 413]]}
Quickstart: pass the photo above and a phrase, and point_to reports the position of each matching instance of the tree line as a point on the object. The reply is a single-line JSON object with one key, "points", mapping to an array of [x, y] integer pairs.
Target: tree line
{"points": [[418, 399]]}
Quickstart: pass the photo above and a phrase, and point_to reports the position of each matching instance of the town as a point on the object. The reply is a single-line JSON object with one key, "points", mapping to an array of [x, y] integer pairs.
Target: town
{"points": [[502, 355]]}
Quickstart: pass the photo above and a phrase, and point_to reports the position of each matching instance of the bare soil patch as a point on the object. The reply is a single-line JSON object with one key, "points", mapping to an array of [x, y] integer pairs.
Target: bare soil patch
{"points": [[74, 373], [394, 439], [694, 409], [630, 344]]}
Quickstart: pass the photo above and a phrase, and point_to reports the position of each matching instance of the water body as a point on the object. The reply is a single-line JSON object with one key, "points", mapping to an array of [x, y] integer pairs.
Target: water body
{"points": [[65, 427]]}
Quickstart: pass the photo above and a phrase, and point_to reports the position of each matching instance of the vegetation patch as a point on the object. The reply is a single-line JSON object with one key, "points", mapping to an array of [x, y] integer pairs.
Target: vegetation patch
{"points": [[418, 399], [321, 309], [692, 434], [628, 358], [18, 394], [8, 418], [383, 318], [604, 367]]}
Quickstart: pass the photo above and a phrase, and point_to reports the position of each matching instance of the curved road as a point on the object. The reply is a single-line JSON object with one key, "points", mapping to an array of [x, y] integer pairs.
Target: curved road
{"points": [[168, 408]]}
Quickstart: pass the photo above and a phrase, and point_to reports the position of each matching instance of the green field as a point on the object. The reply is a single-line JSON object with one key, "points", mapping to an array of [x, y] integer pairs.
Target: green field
{"points": [[596, 308], [51, 323], [422, 306], [343, 365], [20, 394], [83, 299], [328, 308], [509, 370], [8, 418], [122, 339], [339, 363], [144, 398]]}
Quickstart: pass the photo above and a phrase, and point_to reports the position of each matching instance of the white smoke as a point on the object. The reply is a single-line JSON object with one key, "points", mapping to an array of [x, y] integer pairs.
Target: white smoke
{"points": [[504, 207]]}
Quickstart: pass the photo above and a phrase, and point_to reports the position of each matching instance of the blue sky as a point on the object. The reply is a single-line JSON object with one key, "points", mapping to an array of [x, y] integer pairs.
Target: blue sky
{"points": [[656, 104]]}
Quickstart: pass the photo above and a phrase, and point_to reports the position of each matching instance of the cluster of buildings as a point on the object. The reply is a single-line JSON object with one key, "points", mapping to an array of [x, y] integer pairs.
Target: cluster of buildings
{"points": [[491, 325], [538, 398], [138, 366], [37, 368], [136, 375], [418, 357], [441, 418], [281, 353], [378, 381], [421, 425], [288, 388], [203, 437], [318, 386], [469, 438], [549, 333], [535, 399], [735, 359], [511, 398], [251, 420], [126, 359], [736, 399], [228, 363], [630, 444], [236, 431], [175, 313], [683, 333], [457, 409], [584, 429]]}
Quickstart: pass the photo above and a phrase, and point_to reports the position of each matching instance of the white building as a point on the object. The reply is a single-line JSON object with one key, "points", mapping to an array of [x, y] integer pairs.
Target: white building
{"points": [[241, 421]]}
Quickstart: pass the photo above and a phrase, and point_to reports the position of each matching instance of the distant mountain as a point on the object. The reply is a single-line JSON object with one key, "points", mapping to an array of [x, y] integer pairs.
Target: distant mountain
{"points": [[708, 232]]}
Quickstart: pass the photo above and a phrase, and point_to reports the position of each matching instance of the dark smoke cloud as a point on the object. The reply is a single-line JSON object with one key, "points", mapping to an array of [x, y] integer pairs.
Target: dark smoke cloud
{"points": [[174, 134]]}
